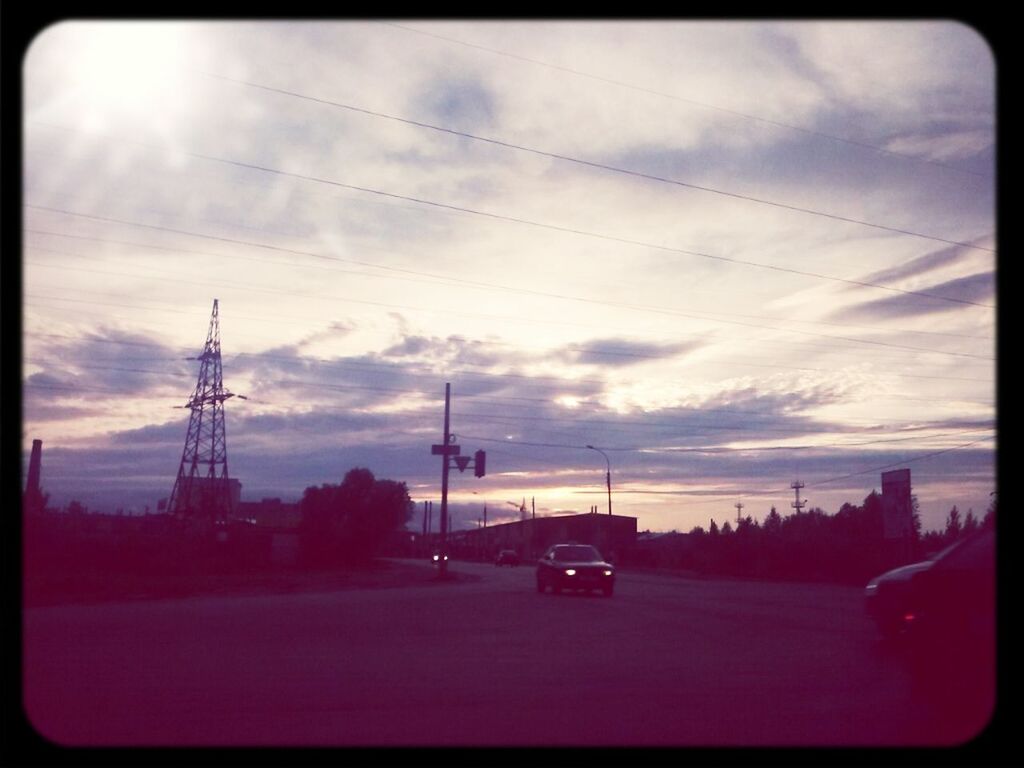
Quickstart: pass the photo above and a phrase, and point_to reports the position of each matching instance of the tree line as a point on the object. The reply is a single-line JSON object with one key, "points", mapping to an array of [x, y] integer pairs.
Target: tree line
{"points": [[849, 546]]}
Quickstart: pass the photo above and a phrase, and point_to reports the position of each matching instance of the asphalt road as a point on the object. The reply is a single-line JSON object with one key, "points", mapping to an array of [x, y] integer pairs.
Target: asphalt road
{"points": [[665, 661]]}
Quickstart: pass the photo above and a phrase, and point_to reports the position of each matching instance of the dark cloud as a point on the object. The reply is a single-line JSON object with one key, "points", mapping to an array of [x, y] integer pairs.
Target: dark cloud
{"points": [[109, 363], [463, 104], [978, 288], [410, 345], [920, 265], [43, 410], [282, 454], [621, 352], [782, 166]]}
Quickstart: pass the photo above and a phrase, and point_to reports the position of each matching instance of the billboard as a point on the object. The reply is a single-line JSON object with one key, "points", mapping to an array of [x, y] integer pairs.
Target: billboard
{"points": [[897, 519]]}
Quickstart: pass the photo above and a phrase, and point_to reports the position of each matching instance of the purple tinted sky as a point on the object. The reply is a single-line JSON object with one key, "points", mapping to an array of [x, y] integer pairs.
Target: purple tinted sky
{"points": [[806, 292]]}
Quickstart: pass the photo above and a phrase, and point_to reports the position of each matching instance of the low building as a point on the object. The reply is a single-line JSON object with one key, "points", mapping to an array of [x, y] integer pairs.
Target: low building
{"points": [[271, 513], [613, 535]]}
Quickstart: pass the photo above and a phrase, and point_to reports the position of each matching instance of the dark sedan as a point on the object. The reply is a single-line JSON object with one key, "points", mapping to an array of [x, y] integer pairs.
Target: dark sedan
{"points": [[507, 557], [951, 634], [574, 567], [887, 598]]}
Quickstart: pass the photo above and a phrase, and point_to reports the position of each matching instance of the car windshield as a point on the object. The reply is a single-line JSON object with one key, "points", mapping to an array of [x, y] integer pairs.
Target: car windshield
{"points": [[577, 554]]}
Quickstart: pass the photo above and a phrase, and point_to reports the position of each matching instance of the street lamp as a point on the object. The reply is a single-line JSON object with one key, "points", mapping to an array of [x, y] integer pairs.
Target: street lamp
{"points": [[607, 477]]}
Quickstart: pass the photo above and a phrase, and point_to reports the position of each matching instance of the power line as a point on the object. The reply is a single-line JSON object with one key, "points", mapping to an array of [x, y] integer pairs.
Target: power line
{"points": [[602, 166], [714, 449], [506, 441], [737, 113], [567, 347], [745, 364], [442, 279], [471, 415], [847, 476], [508, 218], [343, 363]]}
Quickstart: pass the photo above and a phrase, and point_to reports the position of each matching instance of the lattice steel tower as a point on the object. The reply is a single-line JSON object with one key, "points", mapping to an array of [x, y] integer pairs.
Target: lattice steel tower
{"points": [[202, 489]]}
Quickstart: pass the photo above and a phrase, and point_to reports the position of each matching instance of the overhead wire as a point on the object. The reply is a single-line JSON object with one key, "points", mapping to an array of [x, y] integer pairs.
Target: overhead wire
{"points": [[870, 342], [447, 280], [516, 220], [695, 102], [599, 166]]}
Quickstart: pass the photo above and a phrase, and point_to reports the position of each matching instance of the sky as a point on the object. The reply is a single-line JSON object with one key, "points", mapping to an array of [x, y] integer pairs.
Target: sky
{"points": [[731, 256]]}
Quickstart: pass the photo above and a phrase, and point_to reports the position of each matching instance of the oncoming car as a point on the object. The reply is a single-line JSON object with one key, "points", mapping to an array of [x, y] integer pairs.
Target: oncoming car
{"points": [[574, 567], [438, 558], [507, 557]]}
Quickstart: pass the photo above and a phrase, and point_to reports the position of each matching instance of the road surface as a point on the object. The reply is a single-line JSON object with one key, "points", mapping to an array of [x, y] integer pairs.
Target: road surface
{"points": [[481, 661]]}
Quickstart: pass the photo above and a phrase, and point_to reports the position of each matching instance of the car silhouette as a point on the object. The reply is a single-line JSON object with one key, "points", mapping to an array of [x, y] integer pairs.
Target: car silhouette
{"points": [[574, 567], [950, 635], [888, 598], [507, 557]]}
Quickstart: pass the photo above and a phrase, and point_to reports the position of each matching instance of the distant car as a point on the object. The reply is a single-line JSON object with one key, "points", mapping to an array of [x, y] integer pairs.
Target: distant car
{"points": [[437, 558], [574, 567], [507, 557], [887, 597]]}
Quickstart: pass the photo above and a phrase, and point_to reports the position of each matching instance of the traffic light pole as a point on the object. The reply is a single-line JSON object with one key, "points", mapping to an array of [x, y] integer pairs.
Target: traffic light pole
{"points": [[443, 562], [449, 451]]}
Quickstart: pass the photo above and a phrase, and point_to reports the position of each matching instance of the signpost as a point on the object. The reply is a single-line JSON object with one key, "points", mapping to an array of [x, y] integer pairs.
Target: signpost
{"points": [[450, 451], [897, 510]]}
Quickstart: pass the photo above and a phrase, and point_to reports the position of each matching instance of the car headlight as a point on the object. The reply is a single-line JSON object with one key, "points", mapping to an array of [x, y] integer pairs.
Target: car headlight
{"points": [[608, 572], [570, 571], [870, 590]]}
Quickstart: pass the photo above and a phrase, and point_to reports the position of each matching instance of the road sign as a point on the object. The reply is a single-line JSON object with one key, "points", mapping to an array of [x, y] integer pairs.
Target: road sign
{"points": [[462, 462], [444, 450], [897, 508]]}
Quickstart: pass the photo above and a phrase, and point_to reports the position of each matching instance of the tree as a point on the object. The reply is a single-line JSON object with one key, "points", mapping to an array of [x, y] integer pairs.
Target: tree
{"points": [[915, 518], [772, 523], [350, 522], [726, 528], [953, 525], [970, 523], [713, 529], [989, 520]]}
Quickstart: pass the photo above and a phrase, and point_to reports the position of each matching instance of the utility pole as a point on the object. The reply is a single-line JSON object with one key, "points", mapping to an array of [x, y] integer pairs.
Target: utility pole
{"points": [[798, 505], [533, 506], [443, 563], [449, 451], [608, 475], [739, 506]]}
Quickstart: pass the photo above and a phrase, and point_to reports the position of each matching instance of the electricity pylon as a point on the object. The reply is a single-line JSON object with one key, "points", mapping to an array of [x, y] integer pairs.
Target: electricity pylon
{"points": [[201, 489]]}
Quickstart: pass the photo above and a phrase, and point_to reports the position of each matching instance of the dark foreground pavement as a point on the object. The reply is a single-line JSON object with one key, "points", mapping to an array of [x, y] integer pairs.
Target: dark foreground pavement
{"points": [[485, 661]]}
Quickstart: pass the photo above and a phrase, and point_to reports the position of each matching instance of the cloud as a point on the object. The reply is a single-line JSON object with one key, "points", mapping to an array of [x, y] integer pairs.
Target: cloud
{"points": [[104, 364], [622, 352], [922, 264], [978, 288], [462, 103]]}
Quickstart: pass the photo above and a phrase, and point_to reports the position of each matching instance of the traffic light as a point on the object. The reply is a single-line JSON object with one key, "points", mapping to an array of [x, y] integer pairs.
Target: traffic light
{"points": [[480, 463]]}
